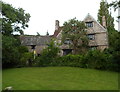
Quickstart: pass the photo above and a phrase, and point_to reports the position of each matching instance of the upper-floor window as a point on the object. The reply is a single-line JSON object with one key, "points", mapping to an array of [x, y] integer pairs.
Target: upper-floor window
{"points": [[89, 24], [91, 36]]}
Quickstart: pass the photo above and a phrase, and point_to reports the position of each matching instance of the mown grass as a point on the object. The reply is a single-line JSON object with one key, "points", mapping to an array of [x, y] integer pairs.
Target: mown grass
{"points": [[59, 78]]}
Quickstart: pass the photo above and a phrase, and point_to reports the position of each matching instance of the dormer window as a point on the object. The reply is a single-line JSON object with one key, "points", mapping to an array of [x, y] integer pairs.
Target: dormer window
{"points": [[89, 24]]}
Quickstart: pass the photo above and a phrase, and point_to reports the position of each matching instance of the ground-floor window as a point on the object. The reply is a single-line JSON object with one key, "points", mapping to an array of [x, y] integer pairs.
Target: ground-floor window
{"points": [[93, 47], [67, 51]]}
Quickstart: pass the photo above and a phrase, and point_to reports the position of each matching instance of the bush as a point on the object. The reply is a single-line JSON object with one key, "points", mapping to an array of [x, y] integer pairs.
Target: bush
{"points": [[96, 59], [27, 59], [48, 55], [70, 60], [10, 52]]}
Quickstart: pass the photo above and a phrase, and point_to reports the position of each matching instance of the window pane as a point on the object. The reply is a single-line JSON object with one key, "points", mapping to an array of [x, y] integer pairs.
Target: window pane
{"points": [[89, 24]]}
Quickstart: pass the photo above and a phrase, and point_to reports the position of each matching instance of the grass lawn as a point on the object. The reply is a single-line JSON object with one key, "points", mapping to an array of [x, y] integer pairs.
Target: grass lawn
{"points": [[59, 78]]}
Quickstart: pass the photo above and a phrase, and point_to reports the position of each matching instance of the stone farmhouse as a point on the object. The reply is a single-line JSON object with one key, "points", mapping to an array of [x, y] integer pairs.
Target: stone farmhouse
{"points": [[97, 35]]}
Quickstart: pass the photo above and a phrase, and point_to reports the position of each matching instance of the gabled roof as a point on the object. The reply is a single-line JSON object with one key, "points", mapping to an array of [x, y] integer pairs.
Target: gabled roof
{"points": [[35, 40], [90, 18]]}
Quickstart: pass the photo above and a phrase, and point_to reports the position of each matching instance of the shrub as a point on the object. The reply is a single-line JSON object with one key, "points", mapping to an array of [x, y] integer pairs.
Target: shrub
{"points": [[70, 60], [48, 55], [27, 59], [96, 59]]}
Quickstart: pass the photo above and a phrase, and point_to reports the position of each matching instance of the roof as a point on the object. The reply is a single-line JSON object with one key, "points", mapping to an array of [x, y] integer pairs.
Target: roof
{"points": [[57, 32], [35, 40], [90, 18]]}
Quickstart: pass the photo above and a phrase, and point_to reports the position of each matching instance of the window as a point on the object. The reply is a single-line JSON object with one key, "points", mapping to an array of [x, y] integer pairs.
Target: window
{"points": [[93, 47], [67, 41], [67, 51], [89, 24], [91, 36], [33, 46]]}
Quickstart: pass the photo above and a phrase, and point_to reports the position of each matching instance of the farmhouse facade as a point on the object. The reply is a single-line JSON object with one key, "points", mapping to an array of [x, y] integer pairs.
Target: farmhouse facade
{"points": [[97, 35]]}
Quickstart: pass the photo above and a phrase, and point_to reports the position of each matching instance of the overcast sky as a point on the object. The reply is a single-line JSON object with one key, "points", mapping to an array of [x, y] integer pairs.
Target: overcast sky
{"points": [[45, 12]]}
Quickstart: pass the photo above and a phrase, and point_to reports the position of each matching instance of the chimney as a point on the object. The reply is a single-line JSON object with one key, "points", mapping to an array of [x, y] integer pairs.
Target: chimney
{"points": [[56, 24], [103, 21]]}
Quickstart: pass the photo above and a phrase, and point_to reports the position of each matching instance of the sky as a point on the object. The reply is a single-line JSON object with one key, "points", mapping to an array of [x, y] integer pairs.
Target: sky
{"points": [[45, 12]]}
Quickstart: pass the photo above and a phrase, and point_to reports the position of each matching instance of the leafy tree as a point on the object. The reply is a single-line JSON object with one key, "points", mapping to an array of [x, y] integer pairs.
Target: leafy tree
{"points": [[48, 54], [27, 59], [13, 20], [115, 4], [74, 32], [112, 33], [10, 53], [104, 11]]}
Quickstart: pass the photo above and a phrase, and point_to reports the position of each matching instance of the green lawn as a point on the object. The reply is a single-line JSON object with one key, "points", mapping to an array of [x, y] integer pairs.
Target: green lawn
{"points": [[59, 78]]}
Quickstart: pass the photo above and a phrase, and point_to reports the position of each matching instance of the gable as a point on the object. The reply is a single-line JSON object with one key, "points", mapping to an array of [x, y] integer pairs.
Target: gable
{"points": [[97, 27]]}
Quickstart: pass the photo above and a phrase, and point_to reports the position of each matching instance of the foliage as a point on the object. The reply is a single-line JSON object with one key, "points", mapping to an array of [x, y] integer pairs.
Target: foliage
{"points": [[74, 31], [22, 49], [104, 11], [97, 60], [115, 4], [13, 20], [48, 54], [27, 59], [10, 55], [114, 38], [94, 59], [113, 35]]}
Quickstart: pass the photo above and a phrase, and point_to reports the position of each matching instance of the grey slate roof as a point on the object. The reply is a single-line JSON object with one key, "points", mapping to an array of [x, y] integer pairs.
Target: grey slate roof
{"points": [[35, 40]]}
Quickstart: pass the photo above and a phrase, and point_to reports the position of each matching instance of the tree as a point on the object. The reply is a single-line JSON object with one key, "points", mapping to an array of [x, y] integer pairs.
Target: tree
{"points": [[10, 53], [74, 31], [48, 54], [115, 4], [13, 20], [104, 11]]}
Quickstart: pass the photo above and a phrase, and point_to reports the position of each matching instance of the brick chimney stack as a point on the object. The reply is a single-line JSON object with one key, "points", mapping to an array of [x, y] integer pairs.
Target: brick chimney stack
{"points": [[56, 24], [103, 21]]}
